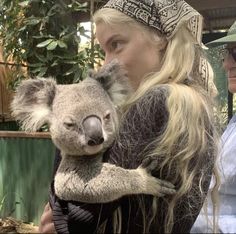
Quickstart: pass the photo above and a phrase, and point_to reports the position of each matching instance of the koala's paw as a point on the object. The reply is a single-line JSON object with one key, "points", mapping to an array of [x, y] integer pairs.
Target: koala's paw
{"points": [[150, 164], [155, 186]]}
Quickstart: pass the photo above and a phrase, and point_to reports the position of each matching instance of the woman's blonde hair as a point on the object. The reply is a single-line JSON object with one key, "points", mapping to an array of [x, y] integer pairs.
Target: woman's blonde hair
{"points": [[190, 104]]}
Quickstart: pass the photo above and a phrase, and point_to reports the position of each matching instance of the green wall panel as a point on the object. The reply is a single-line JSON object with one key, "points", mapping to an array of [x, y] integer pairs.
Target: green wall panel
{"points": [[9, 126], [25, 173]]}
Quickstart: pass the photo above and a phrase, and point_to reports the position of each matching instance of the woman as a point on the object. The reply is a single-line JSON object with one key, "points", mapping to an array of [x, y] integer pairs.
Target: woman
{"points": [[168, 120], [227, 159]]}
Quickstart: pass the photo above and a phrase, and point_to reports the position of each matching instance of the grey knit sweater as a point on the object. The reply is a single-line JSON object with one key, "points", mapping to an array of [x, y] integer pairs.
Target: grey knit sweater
{"points": [[145, 121]]}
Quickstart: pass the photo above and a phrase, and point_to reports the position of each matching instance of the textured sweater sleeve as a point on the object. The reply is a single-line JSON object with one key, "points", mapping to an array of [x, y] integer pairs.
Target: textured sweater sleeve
{"points": [[144, 123]]}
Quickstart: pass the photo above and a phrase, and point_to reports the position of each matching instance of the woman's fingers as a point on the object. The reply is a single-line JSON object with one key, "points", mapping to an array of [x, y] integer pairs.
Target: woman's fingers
{"points": [[46, 224]]}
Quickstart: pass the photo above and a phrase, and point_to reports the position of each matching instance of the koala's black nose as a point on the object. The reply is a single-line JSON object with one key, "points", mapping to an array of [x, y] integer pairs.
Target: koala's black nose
{"points": [[93, 130]]}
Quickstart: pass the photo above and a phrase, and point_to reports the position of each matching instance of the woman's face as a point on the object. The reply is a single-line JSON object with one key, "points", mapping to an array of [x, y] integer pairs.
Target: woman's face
{"points": [[230, 68], [131, 48]]}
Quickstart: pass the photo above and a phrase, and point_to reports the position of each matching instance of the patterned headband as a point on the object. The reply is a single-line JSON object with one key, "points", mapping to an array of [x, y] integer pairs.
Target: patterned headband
{"points": [[164, 15]]}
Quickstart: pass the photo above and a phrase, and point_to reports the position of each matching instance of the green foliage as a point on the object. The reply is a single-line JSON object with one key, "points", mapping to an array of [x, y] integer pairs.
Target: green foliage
{"points": [[45, 35], [215, 58]]}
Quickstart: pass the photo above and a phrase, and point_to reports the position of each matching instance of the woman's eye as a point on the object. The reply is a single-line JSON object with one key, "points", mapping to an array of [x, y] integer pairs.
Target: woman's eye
{"points": [[115, 45]]}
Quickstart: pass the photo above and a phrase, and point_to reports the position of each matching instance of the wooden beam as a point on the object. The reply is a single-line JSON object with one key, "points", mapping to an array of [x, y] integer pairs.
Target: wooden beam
{"points": [[21, 134], [202, 5], [219, 23]]}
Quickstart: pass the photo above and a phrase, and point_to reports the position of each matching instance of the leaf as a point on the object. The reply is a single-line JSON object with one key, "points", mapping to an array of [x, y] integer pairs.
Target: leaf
{"points": [[24, 3], [35, 65], [2, 202], [41, 58], [52, 45], [55, 63], [70, 71], [69, 62], [42, 36], [77, 76], [42, 71], [44, 43], [36, 70], [22, 28], [82, 30], [62, 44], [32, 21], [83, 7], [50, 55]]}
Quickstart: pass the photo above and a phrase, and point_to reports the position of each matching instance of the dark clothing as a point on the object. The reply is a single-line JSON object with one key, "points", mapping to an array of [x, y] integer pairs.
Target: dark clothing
{"points": [[145, 121]]}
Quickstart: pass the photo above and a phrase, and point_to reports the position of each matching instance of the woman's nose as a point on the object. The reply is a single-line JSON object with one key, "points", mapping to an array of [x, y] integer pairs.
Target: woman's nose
{"points": [[108, 58]]}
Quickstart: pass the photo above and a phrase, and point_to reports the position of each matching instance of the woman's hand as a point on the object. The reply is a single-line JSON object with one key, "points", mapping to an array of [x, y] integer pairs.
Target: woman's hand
{"points": [[46, 224]]}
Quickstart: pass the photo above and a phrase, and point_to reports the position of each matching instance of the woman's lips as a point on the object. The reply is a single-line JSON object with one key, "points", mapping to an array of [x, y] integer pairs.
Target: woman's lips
{"points": [[231, 73]]}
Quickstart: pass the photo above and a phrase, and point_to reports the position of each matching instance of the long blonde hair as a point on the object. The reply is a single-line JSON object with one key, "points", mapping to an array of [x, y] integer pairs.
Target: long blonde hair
{"points": [[189, 104]]}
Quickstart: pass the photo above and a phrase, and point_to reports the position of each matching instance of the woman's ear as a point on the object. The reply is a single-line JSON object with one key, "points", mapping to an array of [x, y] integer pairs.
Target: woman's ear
{"points": [[163, 44]]}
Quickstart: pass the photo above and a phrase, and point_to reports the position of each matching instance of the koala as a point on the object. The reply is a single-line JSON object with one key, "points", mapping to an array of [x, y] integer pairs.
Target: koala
{"points": [[83, 121]]}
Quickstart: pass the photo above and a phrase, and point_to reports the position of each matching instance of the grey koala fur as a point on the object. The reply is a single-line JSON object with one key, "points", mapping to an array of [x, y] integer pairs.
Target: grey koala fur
{"points": [[83, 122]]}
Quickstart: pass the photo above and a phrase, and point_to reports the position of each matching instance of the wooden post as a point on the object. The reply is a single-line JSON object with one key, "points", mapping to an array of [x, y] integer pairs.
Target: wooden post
{"points": [[230, 106], [92, 28], [5, 93]]}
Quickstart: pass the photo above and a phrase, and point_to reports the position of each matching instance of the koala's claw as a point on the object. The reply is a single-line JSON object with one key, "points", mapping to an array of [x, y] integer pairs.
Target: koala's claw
{"points": [[165, 184], [150, 164], [166, 188], [163, 187]]}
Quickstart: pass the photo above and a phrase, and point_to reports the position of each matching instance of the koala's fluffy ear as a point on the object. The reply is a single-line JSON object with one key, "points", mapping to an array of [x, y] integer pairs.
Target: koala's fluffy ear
{"points": [[31, 105], [113, 79]]}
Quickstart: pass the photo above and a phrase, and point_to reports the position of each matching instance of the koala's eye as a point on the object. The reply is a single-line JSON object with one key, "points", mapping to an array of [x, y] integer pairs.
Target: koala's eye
{"points": [[69, 125], [107, 116]]}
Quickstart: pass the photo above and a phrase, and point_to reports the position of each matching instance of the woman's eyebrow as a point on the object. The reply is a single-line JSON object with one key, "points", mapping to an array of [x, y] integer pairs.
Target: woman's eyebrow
{"points": [[110, 39]]}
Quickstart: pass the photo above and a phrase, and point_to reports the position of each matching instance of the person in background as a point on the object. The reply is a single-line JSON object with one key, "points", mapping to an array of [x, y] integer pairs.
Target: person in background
{"points": [[168, 120], [227, 159]]}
